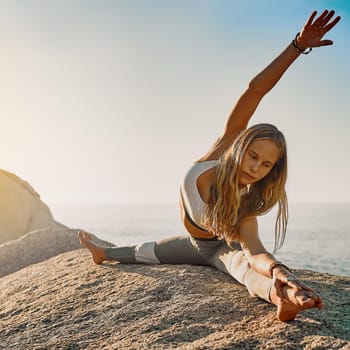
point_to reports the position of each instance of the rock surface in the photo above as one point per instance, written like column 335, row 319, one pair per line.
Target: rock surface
column 39, row 245
column 28, row 231
column 68, row 302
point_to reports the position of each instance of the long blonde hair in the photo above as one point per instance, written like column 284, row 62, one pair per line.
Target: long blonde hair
column 226, row 207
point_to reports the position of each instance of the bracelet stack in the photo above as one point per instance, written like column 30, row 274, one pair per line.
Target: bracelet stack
column 295, row 44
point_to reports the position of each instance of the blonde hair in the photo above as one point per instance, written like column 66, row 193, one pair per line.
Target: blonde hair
column 227, row 207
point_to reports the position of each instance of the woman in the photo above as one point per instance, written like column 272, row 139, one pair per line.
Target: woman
column 242, row 176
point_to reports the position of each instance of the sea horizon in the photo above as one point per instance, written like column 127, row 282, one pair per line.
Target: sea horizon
column 316, row 235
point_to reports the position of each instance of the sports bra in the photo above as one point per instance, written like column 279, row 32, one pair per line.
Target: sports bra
column 193, row 203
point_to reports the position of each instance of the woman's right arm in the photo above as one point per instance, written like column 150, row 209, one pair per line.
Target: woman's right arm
column 258, row 87
column 310, row 36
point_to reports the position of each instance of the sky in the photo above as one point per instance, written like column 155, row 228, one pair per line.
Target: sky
column 111, row 101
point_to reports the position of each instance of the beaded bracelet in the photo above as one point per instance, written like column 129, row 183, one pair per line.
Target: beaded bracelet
column 275, row 264
column 294, row 42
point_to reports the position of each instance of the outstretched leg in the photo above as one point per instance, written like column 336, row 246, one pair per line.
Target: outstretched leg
column 100, row 254
column 176, row 250
column 232, row 261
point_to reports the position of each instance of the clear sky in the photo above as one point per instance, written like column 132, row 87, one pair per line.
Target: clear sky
column 112, row 100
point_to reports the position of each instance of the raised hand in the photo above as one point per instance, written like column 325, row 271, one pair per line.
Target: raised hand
column 314, row 30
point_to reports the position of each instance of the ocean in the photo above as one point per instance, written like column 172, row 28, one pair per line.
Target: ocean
column 317, row 236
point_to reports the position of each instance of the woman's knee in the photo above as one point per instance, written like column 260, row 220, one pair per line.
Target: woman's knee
column 178, row 250
column 145, row 253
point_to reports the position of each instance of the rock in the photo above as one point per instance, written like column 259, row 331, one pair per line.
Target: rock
column 21, row 208
column 28, row 231
column 36, row 246
column 68, row 302
column 39, row 245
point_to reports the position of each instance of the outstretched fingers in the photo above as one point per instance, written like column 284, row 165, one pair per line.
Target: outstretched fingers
column 311, row 18
column 322, row 21
column 326, row 19
column 330, row 25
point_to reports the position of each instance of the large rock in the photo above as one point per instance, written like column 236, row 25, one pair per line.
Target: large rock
column 21, row 209
column 39, row 245
column 28, row 231
column 68, row 302
column 36, row 246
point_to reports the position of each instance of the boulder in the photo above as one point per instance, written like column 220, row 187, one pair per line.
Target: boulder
column 21, row 209
column 68, row 302
column 28, row 231
column 39, row 245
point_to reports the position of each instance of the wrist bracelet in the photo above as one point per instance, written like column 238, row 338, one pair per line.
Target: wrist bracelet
column 275, row 264
column 295, row 44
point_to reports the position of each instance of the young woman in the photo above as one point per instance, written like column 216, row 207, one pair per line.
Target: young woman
column 242, row 176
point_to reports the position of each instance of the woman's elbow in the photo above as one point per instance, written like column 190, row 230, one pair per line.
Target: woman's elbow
column 257, row 87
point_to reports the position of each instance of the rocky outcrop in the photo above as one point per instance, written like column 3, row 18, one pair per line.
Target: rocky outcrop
column 28, row 231
column 39, row 245
column 21, row 209
column 36, row 246
column 68, row 302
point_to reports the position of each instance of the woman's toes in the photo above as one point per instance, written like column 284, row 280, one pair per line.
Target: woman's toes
column 87, row 236
column 84, row 236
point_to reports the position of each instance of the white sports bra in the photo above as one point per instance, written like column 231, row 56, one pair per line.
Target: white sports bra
column 190, row 194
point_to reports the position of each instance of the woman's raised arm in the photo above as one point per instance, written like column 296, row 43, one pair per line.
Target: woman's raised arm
column 310, row 36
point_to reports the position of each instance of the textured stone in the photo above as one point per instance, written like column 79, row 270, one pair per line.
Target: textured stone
column 68, row 302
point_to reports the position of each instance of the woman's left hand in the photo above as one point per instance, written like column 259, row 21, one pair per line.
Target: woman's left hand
column 314, row 30
column 282, row 278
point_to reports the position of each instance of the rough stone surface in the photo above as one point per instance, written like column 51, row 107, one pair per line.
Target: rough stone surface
column 68, row 302
column 39, row 245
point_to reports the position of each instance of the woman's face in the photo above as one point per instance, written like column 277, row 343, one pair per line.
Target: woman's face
column 258, row 160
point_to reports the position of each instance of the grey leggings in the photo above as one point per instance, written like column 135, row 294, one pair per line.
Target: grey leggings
column 188, row 250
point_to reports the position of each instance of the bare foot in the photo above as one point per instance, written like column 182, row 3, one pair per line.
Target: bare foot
column 98, row 253
column 100, row 242
column 295, row 301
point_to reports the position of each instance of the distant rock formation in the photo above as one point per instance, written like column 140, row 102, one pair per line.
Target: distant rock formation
column 21, row 209
column 28, row 231
column 68, row 302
